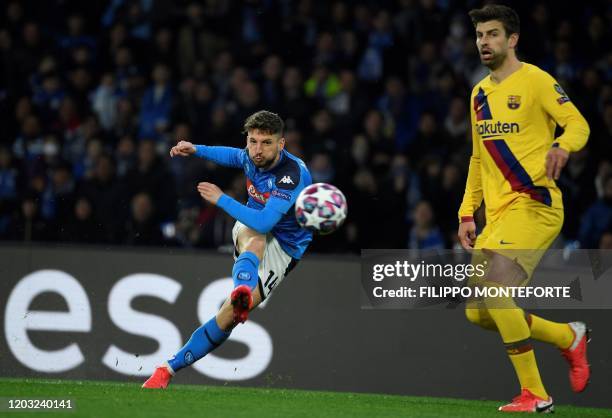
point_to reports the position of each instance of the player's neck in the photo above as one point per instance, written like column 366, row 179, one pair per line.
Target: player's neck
column 510, row 65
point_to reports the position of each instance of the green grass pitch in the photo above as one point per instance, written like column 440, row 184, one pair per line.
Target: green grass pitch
column 116, row 400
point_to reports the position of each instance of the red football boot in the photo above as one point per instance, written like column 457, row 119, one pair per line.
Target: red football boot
column 528, row 402
column 576, row 356
column 242, row 301
column 159, row 379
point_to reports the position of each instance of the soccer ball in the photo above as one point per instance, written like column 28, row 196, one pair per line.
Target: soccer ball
column 321, row 208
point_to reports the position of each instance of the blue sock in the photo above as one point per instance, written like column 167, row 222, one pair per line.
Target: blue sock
column 245, row 270
column 203, row 340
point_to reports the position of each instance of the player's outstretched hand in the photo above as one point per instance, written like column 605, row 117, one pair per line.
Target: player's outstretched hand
column 467, row 234
column 209, row 192
column 555, row 161
column 182, row 149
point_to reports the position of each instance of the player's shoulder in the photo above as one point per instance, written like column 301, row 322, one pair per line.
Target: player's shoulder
column 536, row 74
column 290, row 171
column 249, row 167
column 480, row 86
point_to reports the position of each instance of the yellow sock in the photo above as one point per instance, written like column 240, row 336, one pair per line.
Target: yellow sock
column 515, row 333
column 550, row 332
column 523, row 359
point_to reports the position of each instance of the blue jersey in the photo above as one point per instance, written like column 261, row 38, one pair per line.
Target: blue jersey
column 277, row 188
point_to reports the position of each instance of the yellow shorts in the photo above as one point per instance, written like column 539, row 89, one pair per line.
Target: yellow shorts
column 523, row 232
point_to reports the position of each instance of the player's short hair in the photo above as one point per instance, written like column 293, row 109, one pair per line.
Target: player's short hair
column 506, row 15
column 264, row 121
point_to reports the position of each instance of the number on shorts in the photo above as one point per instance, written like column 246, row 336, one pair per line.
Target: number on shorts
column 269, row 284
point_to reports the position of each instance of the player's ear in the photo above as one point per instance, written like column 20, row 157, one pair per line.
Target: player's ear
column 281, row 143
column 513, row 40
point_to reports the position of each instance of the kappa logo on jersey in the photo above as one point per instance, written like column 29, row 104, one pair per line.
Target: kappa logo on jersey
column 514, row 102
column 256, row 194
column 563, row 98
column 481, row 106
column 286, row 180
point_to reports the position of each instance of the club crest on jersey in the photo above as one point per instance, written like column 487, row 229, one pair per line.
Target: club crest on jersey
column 286, row 180
column 514, row 102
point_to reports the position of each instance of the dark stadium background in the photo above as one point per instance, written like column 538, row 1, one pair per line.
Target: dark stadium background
column 374, row 93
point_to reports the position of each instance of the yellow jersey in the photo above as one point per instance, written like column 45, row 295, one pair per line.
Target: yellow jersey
column 513, row 127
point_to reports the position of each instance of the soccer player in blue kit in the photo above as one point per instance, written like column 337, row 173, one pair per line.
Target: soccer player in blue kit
column 267, row 238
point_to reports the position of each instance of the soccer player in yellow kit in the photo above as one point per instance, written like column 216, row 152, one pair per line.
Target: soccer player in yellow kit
column 514, row 164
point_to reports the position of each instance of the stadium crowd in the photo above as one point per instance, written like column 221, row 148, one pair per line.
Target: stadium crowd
column 375, row 96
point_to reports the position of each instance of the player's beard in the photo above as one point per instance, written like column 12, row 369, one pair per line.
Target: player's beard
column 496, row 60
column 264, row 163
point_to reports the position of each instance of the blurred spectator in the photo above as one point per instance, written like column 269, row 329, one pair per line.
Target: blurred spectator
column 295, row 104
column 430, row 139
column 371, row 68
column 247, row 103
column 322, row 85
column 104, row 101
column 323, row 137
column 125, row 155
column 11, row 182
column 578, row 187
column 28, row 225
column 597, row 218
column 62, row 189
column 163, row 49
column 214, row 226
column 141, row 227
column 424, row 234
column 402, row 110
column 10, row 177
column 293, row 143
column 82, row 227
column 151, row 176
column 107, row 196
column 271, row 86
column 156, row 104
column 456, row 122
column 349, row 105
column 321, row 168
column 29, row 144
column 447, row 200
column 349, row 50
